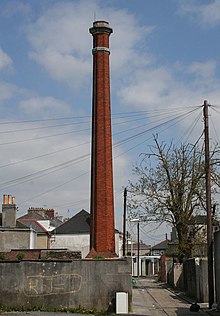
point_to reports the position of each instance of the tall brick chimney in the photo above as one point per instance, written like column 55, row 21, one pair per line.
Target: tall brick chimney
column 102, row 231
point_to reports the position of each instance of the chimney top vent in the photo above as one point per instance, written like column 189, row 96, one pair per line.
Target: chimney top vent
column 8, row 199
column 100, row 27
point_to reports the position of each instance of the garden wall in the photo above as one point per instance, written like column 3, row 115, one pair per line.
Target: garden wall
column 89, row 284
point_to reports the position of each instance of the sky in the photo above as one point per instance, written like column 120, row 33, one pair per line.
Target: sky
column 164, row 63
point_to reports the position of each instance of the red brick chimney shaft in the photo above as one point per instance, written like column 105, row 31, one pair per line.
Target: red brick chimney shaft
column 102, row 234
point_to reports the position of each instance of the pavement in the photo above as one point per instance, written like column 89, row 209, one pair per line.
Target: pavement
column 150, row 298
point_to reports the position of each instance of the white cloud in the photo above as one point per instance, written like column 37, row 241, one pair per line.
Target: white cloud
column 40, row 191
column 61, row 42
column 149, row 87
column 128, row 43
column 203, row 70
column 64, row 67
column 7, row 91
column 43, row 107
column 5, row 60
column 177, row 85
column 205, row 14
column 200, row 69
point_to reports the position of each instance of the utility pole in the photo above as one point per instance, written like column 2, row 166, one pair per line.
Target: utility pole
column 208, row 207
column 138, row 250
column 124, row 221
column 127, row 234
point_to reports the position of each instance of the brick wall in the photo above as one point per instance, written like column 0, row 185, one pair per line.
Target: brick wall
column 35, row 254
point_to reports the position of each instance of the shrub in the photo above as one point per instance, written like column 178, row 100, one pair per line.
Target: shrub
column 20, row 256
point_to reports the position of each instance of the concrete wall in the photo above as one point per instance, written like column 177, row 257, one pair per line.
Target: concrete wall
column 202, row 279
column 175, row 275
column 190, row 281
column 217, row 266
column 178, row 275
column 196, row 278
column 90, row 284
column 191, row 277
column 17, row 239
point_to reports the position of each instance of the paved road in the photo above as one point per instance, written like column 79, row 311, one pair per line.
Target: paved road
column 153, row 299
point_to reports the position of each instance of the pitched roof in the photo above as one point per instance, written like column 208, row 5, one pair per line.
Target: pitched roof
column 33, row 224
column 30, row 220
column 142, row 246
column 161, row 245
column 33, row 216
column 55, row 222
column 201, row 220
column 78, row 224
column 20, row 225
column 198, row 219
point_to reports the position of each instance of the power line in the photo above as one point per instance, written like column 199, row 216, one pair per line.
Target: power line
column 44, row 155
column 64, row 133
column 190, row 129
column 43, row 172
column 37, row 175
column 73, row 161
column 125, row 114
column 54, row 188
column 152, row 128
column 43, row 137
column 43, row 127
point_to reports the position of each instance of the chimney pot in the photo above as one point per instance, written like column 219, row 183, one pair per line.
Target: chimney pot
column 5, row 199
column 9, row 199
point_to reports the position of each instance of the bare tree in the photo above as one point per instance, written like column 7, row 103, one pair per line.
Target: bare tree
column 170, row 188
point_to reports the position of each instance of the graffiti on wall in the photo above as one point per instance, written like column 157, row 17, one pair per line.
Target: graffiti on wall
column 37, row 285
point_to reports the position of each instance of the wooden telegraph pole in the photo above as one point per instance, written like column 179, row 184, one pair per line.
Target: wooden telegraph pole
column 208, row 207
column 138, row 248
column 124, row 221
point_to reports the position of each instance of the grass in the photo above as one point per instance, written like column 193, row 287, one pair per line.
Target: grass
column 78, row 310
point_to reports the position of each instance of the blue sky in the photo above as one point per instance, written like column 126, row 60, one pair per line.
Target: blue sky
column 164, row 63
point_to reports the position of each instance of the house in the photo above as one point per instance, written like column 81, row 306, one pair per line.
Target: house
column 198, row 226
column 13, row 234
column 74, row 234
column 43, row 221
column 132, row 249
column 197, row 236
column 160, row 248
column 148, row 258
